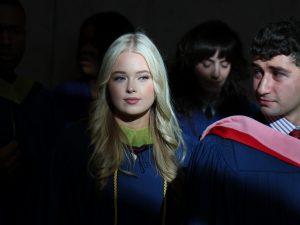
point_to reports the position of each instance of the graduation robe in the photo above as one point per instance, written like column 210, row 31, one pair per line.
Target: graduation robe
column 75, row 199
column 232, row 183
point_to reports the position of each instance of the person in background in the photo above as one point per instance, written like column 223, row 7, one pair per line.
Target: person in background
column 206, row 77
column 247, row 171
column 96, row 34
column 27, row 123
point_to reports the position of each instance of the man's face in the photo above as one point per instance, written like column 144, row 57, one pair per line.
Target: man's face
column 12, row 36
column 277, row 87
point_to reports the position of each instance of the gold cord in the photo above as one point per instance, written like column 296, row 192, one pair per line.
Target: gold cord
column 116, row 197
column 164, row 202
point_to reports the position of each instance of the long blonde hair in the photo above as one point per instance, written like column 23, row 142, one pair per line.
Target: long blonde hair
column 106, row 135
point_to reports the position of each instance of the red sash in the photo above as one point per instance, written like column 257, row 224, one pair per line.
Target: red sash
column 259, row 136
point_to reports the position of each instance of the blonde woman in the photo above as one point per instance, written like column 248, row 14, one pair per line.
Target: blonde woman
column 136, row 152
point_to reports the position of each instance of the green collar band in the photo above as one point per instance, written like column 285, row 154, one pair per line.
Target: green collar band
column 16, row 91
column 137, row 138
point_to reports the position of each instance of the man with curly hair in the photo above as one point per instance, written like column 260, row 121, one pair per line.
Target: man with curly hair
column 245, row 172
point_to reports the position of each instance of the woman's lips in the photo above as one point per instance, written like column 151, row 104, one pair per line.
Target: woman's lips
column 132, row 101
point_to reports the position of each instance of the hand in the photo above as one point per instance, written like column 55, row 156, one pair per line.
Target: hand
column 9, row 158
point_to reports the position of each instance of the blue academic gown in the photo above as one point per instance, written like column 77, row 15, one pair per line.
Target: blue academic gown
column 194, row 125
column 197, row 123
column 75, row 199
column 230, row 183
column 73, row 98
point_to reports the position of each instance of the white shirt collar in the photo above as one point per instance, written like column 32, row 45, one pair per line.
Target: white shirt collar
column 280, row 124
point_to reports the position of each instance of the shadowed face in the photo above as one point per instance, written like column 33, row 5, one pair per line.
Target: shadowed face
column 89, row 53
column 212, row 73
column 12, row 36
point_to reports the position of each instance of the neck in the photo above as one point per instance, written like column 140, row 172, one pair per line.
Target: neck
column 8, row 75
column 134, row 123
column 207, row 98
column 94, row 88
column 295, row 120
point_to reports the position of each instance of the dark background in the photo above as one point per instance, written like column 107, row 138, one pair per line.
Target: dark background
column 53, row 26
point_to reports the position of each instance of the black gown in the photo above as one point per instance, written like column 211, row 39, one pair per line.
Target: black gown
column 31, row 123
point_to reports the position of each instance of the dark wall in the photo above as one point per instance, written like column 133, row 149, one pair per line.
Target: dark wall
column 52, row 26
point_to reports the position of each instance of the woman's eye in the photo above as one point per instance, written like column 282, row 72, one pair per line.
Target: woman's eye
column 206, row 63
column 118, row 78
column 225, row 64
column 144, row 77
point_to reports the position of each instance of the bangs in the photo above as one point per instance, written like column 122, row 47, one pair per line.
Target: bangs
column 208, row 50
column 226, row 51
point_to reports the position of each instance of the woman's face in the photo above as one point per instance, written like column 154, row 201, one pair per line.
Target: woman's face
column 212, row 73
column 131, row 88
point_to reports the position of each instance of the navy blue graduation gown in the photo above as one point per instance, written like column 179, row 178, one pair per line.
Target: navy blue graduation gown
column 231, row 184
column 75, row 199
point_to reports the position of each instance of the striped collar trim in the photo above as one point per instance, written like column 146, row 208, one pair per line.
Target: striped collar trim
column 280, row 124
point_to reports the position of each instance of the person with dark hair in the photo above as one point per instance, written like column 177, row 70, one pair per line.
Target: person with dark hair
column 96, row 34
column 26, row 122
column 247, row 171
column 206, row 77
